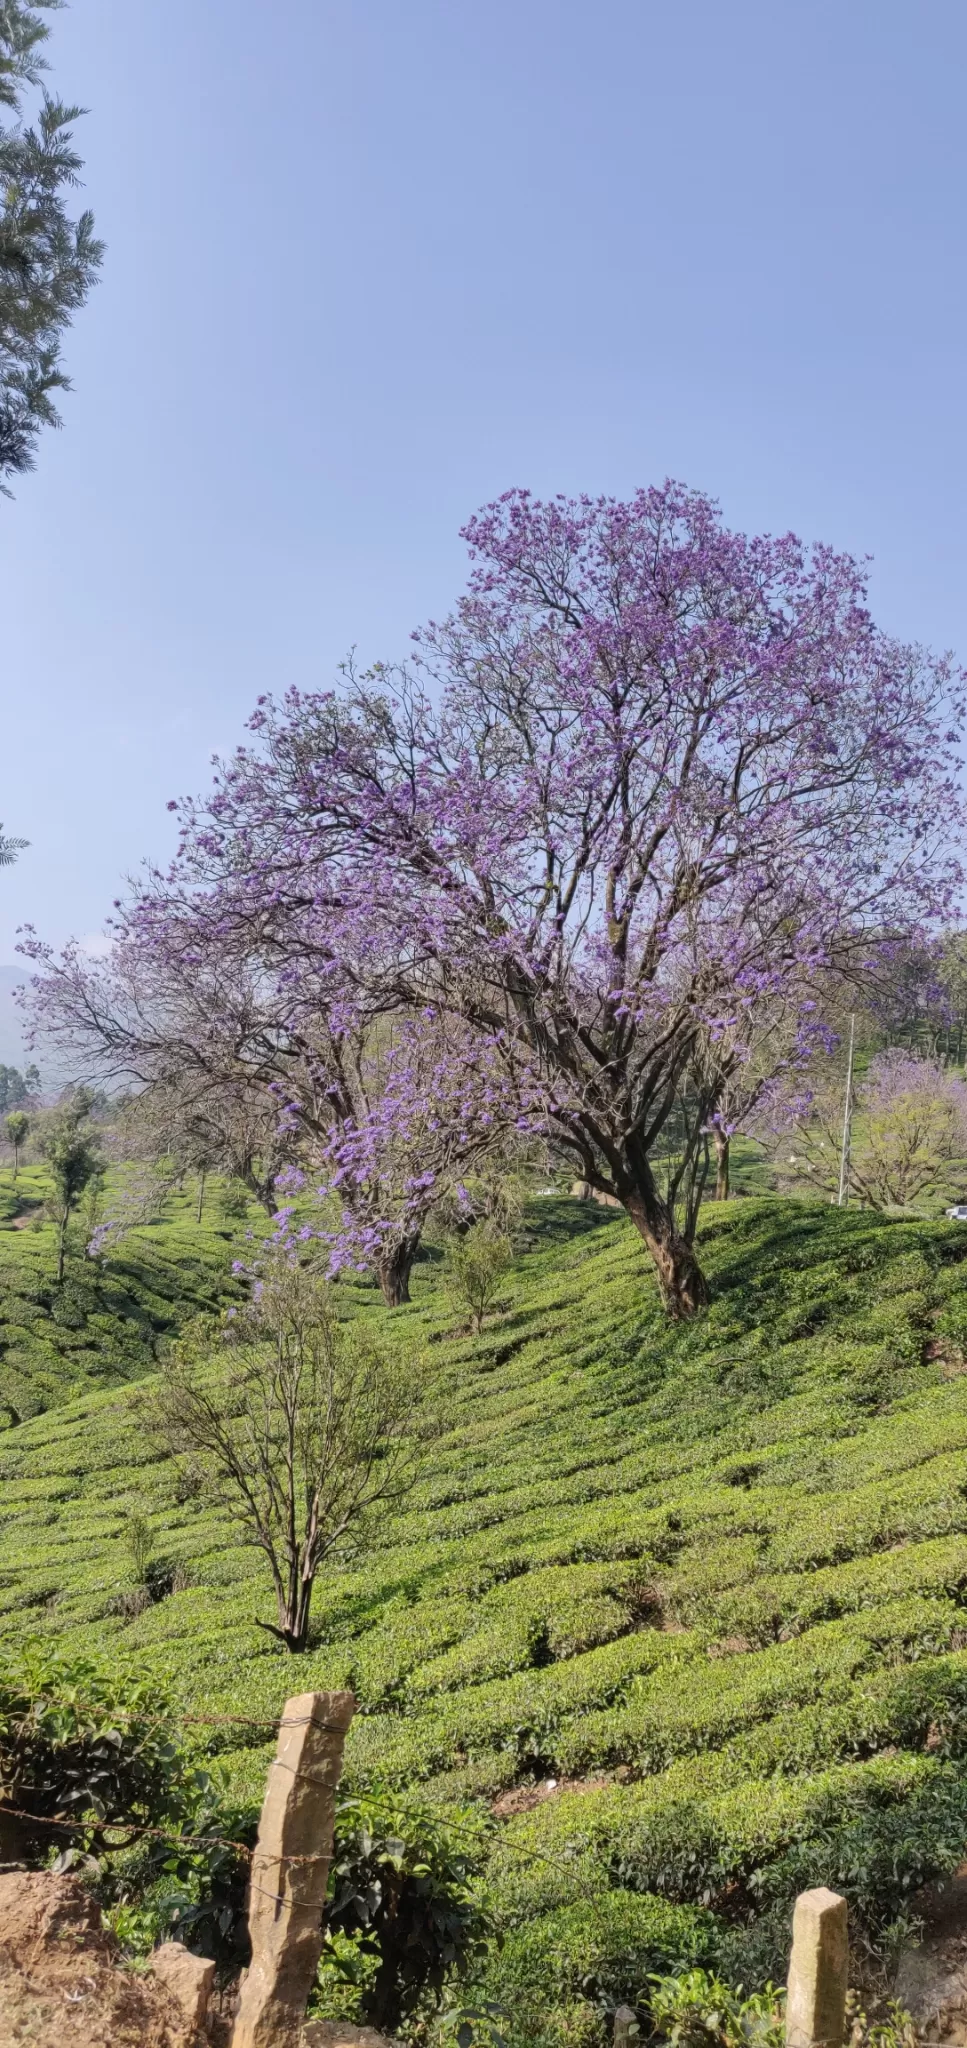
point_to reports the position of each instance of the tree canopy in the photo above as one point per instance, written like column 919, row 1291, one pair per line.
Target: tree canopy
column 17, row 1089
column 613, row 828
column 48, row 257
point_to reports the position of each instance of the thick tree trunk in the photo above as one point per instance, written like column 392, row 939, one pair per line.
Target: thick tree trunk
column 722, row 1144
column 259, row 1185
column 295, row 1624
column 293, row 1602
column 680, row 1277
column 394, row 1272
column 61, row 1244
column 201, row 1194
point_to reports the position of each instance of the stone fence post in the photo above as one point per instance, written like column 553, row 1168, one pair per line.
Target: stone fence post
column 290, row 1870
column 818, row 1971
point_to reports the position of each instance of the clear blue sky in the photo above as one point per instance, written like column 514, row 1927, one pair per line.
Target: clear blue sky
column 371, row 262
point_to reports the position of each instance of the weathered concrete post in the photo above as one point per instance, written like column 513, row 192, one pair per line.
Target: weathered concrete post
column 626, row 2028
column 818, row 1971
column 290, row 1867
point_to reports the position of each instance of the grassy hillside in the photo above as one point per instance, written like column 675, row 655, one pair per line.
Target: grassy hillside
column 711, row 1580
column 103, row 1326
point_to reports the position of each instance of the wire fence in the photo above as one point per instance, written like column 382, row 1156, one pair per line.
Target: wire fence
column 132, row 1831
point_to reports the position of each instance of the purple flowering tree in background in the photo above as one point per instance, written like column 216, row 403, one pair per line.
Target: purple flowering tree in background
column 649, row 780
column 185, row 1032
column 759, row 1055
column 909, row 1133
column 433, row 1106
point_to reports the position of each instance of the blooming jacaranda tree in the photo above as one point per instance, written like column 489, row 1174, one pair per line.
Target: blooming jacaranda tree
column 649, row 774
column 349, row 1127
column 908, row 1141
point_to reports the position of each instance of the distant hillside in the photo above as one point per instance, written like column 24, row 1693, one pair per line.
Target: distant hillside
column 12, row 1052
column 105, row 1325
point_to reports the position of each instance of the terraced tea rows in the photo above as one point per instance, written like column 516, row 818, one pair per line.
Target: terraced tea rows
column 103, row 1327
column 710, row 1580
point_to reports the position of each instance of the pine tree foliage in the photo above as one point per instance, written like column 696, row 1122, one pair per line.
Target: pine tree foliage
column 48, row 260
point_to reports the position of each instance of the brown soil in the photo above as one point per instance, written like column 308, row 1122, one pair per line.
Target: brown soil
column 943, row 1352
column 60, row 1978
column 932, row 1978
column 524, row 1798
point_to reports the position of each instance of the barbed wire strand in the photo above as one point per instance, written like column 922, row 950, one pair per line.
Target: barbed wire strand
column 135, row 1832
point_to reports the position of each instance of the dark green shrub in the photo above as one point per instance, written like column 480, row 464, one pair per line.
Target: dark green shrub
column 402, row 1916
column 600, row 1953
column 877, row 1854
column 402, row 1884
column 95, row 1751
column 189, row 1886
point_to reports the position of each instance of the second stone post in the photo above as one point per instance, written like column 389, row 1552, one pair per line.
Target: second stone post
column 290, row 1870
column 818, row 1971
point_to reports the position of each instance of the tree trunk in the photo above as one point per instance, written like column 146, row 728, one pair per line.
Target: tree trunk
column 16, row 1159
column 680, row 1277
column 61, row 1243
column 394, row 1272
column 201, row 1194
column 722, row 1144
column 295, row 1634
column 294, row 1613
column 262, row 1188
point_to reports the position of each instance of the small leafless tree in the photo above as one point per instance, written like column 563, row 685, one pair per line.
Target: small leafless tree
column 302, row 1427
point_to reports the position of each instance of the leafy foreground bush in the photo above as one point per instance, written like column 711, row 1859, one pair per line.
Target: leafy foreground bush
column 94, row 1773
column 404, row 1916
column 95, row 1765
column 83, row 1755
column 560, row 1978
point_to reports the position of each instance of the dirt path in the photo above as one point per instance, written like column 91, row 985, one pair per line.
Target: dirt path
column 60, row 1978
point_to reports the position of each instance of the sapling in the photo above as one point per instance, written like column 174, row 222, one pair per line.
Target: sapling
column 475, row 1266
column 302, row 1428
column 17, row 1127
column 71, row 1147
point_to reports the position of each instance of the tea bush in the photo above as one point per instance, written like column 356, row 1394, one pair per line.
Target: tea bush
column 680, row 1613
column 103, row 1327
column 93, row 1752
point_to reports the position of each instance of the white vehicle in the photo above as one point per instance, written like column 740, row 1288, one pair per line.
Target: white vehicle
column 958, row 1214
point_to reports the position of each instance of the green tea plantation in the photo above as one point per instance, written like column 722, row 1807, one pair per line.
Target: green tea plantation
column 674, row 1623
column 104, row 1325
